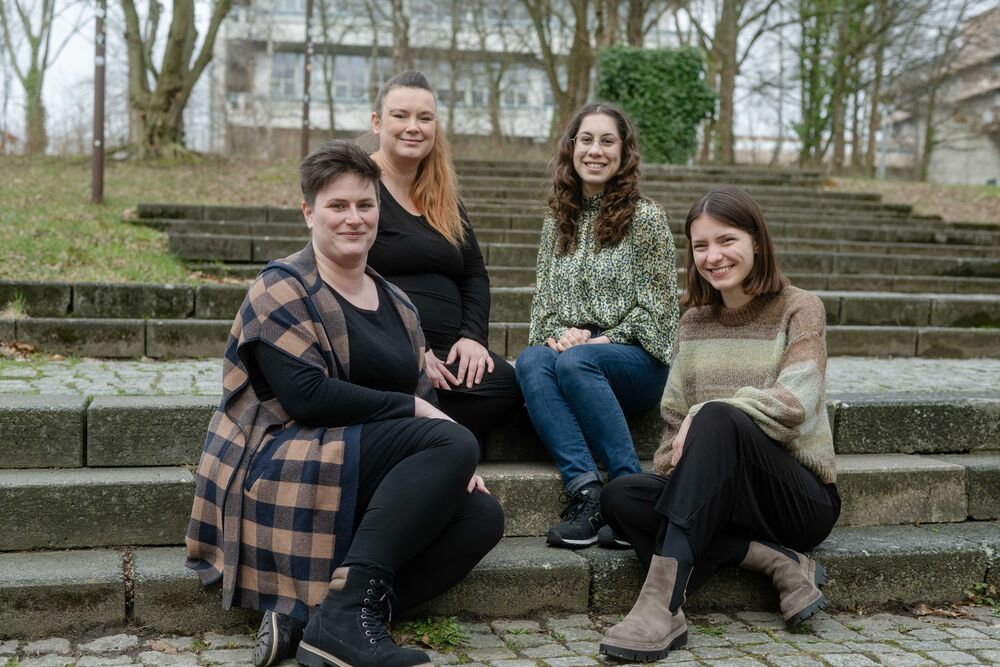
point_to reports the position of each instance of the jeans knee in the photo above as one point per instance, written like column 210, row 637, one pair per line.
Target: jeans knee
column 531, row 362
column 576, row 364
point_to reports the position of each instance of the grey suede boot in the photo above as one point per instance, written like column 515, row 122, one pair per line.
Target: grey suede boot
column 796, row 577
column 650, row 631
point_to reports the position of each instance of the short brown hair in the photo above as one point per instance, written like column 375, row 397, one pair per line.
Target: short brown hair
column 331, row 161
column 734, row 207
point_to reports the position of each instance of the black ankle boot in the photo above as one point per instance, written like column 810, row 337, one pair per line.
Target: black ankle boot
column 277, row 637
column 348, row 629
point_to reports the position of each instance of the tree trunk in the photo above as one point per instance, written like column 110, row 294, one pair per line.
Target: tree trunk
column 856, row 131
column 36, row 139
column 724, row 46
column 874, row 113
column 634, row 24
column 928, row 144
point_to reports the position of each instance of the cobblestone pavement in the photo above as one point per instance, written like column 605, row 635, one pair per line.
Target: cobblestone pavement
column 203, row 377
column 743, row 640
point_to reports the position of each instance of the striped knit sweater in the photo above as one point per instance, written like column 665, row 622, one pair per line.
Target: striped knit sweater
column 767, row 359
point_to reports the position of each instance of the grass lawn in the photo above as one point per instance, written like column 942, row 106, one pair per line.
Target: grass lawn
column 954, row 203
column 51, row 231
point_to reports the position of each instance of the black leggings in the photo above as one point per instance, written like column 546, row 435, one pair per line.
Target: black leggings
column 414, row 520
column 734, row 484
column 488, row 404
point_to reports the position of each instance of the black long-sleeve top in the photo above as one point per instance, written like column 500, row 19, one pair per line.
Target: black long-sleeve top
column 384, row 372
column 448, row 285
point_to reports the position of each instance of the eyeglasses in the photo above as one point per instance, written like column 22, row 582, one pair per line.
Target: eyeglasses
column 587, row 140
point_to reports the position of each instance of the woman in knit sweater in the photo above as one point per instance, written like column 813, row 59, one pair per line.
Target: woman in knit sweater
column 745, row 472
column 603, row 315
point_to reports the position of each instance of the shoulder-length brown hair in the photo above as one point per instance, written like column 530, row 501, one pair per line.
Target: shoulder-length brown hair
column 621, row 193
column 736, row 208
column 435, row 190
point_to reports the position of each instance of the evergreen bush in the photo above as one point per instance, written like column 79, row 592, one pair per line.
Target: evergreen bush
column 665, row 93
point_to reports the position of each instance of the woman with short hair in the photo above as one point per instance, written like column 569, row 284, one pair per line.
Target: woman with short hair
column 331, row 489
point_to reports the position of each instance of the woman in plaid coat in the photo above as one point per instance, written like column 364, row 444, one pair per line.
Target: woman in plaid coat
column 330, row 484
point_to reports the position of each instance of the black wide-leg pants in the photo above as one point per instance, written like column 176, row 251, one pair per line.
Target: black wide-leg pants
column 414, row 520
column 734, row 484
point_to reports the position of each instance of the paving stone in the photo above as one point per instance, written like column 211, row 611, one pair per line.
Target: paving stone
column 742, row 637
column 770, row 649
column 51, row 645
column 112, row 644
column 514, row 663
column 223, row 656
column 477, row 628
column 741, row 661
column 584, row 648
column 179, row 643
column 929, row 633
column 953, row 658
column 527, row 640
column 216, row 640
column 490, row 653
column 570, row 621
column 903, row 660
column 46, row 661
column 966, row 633
column 102, row 660
column 848, row 660
column 484, row 641
column 546, row 651
column 822, row 647
column 699, row 639
column 976, row 644
column 574, row 634
column 572, row 661
column 794, row 661
column 158, row 659
column 8, row 648
column 989, row 656
column 924, row 645
column 762, row 619
column 714, row 652
column 435, row 657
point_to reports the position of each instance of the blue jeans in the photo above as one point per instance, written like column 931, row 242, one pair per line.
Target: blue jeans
column 577, row 401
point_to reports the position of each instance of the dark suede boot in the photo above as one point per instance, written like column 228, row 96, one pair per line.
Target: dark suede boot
column 797, row 578
column 348, row 629
column 277, row 638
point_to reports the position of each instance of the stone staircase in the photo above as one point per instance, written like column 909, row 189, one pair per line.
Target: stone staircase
column 96, row 487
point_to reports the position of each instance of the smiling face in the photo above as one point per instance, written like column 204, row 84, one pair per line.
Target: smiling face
column 406, row 125
column 344, row 220
column 724, row 256
column 597, row 162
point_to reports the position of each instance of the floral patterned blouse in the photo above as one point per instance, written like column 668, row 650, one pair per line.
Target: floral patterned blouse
column 629, row 291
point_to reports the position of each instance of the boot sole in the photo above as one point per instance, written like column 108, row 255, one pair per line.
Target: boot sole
column 314, row 657
column 563, row 543
column 267, row 633
column 644, row 655
column 820, row 575
column 807, row 613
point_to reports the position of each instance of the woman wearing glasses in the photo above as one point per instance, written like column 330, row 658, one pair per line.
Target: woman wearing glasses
column 603, row 316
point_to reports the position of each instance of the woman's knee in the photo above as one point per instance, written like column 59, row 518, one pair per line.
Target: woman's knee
column 460, row 444
column 579, row 365
column 532, row 362
column 489, row 518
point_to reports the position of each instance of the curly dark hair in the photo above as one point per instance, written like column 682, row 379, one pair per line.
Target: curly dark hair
column 621, row 193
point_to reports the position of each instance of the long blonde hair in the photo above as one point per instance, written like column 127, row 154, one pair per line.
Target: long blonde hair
column 435, row 190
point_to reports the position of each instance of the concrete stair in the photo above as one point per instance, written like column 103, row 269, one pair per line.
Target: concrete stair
column 920, row 477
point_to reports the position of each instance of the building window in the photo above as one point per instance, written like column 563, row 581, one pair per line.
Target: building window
column 286, row 76
column 290, row 7
column 350, row 79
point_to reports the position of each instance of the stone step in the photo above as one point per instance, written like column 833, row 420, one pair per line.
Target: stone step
column 206, row 338
column 824, row 257
column 782, row 232
column 100, row 507
column 52, row 593
column 62, row 431
column 131, row 301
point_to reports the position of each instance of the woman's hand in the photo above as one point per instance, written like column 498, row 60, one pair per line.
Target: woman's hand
column 438, row 373
column 473, row 361
column 571, row 338
column 678, row 444
column 477, row 484
column 422, row 408
column 599, row 340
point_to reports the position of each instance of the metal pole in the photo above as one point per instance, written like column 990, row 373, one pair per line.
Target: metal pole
column 305, row 79
column 97, row 150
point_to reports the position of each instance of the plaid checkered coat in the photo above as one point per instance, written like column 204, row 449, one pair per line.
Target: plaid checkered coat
column 274, row 502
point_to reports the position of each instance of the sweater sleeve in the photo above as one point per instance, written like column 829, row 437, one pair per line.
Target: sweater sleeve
column 673, row 408
column 652, row 321
column 544, row 319
column 793, row 403
column 312, row 398
column 475, row 290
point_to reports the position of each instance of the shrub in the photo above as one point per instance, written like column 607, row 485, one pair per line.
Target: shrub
column 665, row 93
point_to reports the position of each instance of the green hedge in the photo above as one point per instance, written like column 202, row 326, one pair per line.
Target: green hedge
column 665, row 93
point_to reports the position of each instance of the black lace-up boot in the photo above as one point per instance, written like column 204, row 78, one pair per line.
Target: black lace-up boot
column 349, row 628
column 581, row 520
column 277, row 637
